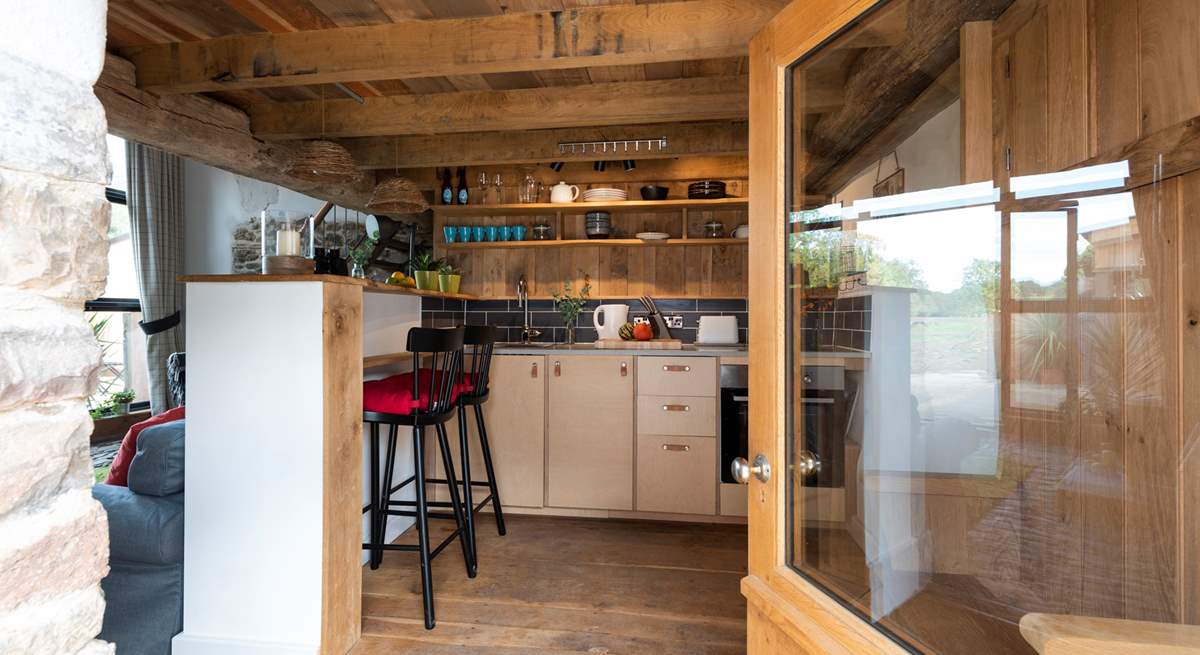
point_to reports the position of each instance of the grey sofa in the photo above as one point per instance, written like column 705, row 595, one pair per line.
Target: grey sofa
column 144, row 587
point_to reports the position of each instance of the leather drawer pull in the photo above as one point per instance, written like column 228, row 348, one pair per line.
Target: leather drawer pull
column 533, row 371
column 677, row 447
column 676, row 368
column 624, row 369
column 557, row 369
column 676, row 408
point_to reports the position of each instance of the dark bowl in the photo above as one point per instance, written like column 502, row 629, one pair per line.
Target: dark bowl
column 654, row 192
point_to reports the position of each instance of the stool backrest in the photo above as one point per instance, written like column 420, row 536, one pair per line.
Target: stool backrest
column 443, row 348
column 483, row 339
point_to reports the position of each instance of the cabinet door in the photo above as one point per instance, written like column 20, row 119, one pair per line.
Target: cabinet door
column 677, row 474
column 590, row 432
column 515, row 416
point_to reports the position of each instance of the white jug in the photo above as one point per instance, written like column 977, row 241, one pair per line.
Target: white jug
column 614, row 317
column 562, row 192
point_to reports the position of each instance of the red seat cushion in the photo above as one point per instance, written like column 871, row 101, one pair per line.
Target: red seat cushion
column 118, row 473
column 394, row 395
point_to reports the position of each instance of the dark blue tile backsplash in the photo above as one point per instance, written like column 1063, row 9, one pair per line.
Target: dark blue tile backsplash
column 829, row 324
column 506, row 315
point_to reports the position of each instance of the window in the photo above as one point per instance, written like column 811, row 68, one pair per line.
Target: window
column 114, row 316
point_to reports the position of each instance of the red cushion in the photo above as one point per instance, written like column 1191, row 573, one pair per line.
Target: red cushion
column 118, row 474
column 394, row 395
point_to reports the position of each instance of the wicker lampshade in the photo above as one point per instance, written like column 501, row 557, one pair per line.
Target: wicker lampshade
column 397, row 196
column 323, row 161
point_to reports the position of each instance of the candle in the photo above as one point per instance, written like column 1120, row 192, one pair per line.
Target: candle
column 287, row 242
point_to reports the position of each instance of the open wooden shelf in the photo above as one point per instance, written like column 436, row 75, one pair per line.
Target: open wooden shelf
column 369, row 286
column 632, row 206
column 587, row 243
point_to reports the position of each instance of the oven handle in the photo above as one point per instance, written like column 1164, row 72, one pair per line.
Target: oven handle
column 741, row 399
column 816, row 401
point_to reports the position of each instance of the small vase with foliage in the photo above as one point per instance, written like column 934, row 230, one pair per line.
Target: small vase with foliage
column 361, row 254
column 425, row 270
column 569, row 307
column 449, row 279
column 121, row 401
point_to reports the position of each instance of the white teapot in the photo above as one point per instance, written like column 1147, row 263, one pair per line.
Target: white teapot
column 563, row 192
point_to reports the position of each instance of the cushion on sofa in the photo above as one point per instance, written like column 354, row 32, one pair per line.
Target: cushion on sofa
column 147, row 529
column 119, row 471
column 157, row 468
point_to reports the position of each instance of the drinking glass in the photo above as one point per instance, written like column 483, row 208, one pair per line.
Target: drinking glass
column 483, row 187
column 505, row 233
column 499, row 185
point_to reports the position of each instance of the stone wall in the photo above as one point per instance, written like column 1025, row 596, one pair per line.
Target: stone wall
column 53, row 248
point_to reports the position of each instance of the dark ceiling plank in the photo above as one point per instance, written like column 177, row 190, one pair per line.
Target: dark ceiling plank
column 711, row 98
column 606, row 36
column 541, row 146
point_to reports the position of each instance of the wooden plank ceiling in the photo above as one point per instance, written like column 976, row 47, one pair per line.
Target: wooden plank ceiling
column 287, row 109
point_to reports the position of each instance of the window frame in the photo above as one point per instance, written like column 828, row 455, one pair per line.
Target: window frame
column 118, row 305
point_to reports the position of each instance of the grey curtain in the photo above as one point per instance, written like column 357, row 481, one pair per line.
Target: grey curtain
column 156, row 217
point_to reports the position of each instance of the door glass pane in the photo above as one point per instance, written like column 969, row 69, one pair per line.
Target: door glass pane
column 984, row 322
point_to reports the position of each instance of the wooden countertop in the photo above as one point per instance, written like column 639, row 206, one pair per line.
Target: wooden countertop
column 369, row 286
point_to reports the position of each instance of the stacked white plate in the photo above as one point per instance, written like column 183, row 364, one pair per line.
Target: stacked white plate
column 605, row 194
column 652, row 236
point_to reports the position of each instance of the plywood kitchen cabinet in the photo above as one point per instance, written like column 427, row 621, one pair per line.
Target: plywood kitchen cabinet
column 676, row 474
column 515, row 416
column 589, row 437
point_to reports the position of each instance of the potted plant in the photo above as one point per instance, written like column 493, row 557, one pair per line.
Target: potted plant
column 361, row 254
column 425, row 269
column 121, row 401
column 569, row 306
column 449, row 279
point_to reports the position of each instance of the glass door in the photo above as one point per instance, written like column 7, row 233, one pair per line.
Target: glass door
column 986, row 277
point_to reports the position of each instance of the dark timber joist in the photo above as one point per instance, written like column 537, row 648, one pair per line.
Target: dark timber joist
column 588, row 105
column 541, row 146
column 207, row 131
column 599, row 36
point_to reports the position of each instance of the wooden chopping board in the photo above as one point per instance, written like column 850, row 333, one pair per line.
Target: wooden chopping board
column 653, row 344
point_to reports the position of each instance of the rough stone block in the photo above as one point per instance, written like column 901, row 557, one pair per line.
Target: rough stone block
column 65, row 624
column 53, row 236
column 65, row 36
column 47, row 349
column 61, row 548
column 72, row 145
column 45, row 453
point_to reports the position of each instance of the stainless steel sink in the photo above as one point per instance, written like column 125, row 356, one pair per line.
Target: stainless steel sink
column 518, row 344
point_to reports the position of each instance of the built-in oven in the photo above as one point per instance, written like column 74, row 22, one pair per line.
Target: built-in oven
column 825, row 418
column 735, row 417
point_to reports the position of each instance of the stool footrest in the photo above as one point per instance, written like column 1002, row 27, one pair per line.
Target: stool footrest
column 412, row 548
column 413, row 514
column 474, row 483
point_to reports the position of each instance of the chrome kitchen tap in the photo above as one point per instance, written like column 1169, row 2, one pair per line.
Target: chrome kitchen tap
column 528, row 334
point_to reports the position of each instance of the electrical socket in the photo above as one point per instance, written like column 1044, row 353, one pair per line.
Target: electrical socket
column 640, row 319
column 674, row 321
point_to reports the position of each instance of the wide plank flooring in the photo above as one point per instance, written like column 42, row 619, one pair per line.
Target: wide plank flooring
column 566, row 585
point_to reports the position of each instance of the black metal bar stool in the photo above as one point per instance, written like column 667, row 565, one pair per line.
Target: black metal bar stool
column 425, row 397
column 481, row 339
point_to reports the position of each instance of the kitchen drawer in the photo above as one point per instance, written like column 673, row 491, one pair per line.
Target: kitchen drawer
column 676, row 474
column 677, row 376
column 692, row 415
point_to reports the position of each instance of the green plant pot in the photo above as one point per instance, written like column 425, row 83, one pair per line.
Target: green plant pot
column 426, row 280
column 449, row 283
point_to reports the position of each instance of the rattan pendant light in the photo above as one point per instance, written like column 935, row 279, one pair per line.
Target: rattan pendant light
column 397, row 195
column 321, row 160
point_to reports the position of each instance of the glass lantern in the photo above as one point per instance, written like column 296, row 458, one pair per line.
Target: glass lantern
column 285, row 234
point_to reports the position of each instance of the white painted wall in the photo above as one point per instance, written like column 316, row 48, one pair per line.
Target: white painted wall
column 217, row 201
column 930, row 159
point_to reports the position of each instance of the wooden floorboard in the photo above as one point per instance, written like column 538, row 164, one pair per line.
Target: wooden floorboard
column 566, row 585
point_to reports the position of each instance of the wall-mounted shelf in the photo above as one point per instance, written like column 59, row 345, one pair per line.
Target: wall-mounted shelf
column 630, row 206
column 592, row 243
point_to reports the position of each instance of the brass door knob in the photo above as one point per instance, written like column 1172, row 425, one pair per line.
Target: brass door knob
column 742, row 470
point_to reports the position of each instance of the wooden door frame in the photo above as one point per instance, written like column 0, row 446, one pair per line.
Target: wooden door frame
column 784, row 612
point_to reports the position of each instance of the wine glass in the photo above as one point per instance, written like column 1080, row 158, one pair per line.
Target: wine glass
column 499, row 185
column 483, row 187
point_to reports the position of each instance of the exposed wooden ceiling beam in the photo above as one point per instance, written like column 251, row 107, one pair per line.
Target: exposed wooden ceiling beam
column 541, row 146
column 207, row 131
column 593, row 36
column 617, row 103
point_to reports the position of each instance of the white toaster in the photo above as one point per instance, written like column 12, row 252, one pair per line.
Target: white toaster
column 717, row 330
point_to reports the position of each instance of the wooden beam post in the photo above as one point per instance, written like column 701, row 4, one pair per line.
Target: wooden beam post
column 975, row 91
column 207, row 131
column 615, row 103
column 575, row 38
